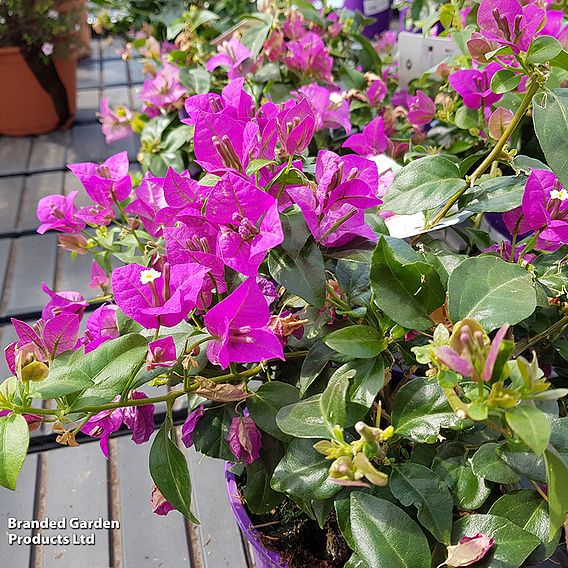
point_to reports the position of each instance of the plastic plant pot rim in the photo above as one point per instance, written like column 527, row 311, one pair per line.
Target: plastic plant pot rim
column 264, row 558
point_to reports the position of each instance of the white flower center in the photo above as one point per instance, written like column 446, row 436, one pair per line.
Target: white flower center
column 561, row 194
column 147, row 276
column 335, row 98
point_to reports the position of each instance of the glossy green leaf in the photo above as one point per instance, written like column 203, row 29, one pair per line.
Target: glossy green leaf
column 109, row 367
column 333, row 400
column 487, row 463
column 303, row 473
column 268, row 399
column 407, row 289
column 423, row 184
column 420, row 409
column 297, row 264
column 210, row 435
column 259, row 495
column 543, row 49
column 384, row 535
column 550, row 118
column 14, row 441
column 531, row 425
column 303, row 419
column 557, row 473
column 317, row 358
column 469, row 490
column 169, row 470
column 504, row 81
column 529, row 511
column 358, row 341
column 492, row 291
column 498, row 195
column 414, row 484
column 512, row 544
column 61, row 379
column 368, row 380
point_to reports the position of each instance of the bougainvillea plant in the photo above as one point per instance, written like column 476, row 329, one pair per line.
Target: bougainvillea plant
column 385, row 356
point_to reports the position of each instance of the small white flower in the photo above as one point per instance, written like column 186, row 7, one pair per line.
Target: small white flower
column 53, row 14
column 336, row 98
column 147, row 276
column 47, row 48
column 561, row 194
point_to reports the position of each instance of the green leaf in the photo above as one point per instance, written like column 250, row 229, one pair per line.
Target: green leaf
column 466, row 118
column 303, row 473
column 177, row 138
column 333, row 401
column 359, row 341
column 126, row 325
column 297, row 264
column 423, row 184
column 268, row 399
column 370, row 52
column 353, row 277
column 414, row 484
column 523, row 461
column 405, row 288
column 504, row 81
column 258, row 494
column 382, row 533
column 255, row 165
column 303, row 419
column 368, row 380
column 498, row 195
column 255, row 37
column 486, row 463
column 61, row 380
column 561, row 60
column 317, row 358
column 512, row 544
column 529, row 511
column 550, row 119
column 543, row 49
column 420, row 409
column 492, row 291
column 109, row 367
column 14, row 441
column 531, row 425
column 197, row 80
column 210, row 436
column 469, row 490
column 557, row 473
column 168, row 468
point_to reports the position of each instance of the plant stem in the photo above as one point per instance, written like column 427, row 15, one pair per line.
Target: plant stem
column 529, row 342
column 492, row 156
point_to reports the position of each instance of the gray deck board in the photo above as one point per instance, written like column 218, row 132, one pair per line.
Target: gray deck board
column 148, row 540
column 18, row 504
column 11, row 190
column 14, row 154
column 87, row 105
column 49, row 151
column 114, row 73
column 35, row 187
column 32, row 261
column 81, row 492
column 220, row 537
column 88, row 74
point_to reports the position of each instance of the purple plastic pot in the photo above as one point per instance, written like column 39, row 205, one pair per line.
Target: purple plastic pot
column 263, row 557
column 380, row 10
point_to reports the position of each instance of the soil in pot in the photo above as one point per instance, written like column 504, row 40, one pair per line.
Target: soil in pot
column 299, row 540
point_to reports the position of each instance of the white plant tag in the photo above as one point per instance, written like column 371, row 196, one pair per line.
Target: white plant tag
column 418, row 54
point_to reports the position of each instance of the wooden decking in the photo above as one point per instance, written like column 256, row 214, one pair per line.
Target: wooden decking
column 79, row 482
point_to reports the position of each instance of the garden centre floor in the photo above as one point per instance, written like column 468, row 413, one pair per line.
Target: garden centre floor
column 79, row 482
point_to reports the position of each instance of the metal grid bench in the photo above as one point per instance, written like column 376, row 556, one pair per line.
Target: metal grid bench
column 79, row 482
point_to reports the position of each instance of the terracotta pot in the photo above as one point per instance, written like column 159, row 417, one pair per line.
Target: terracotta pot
column 26, row 106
